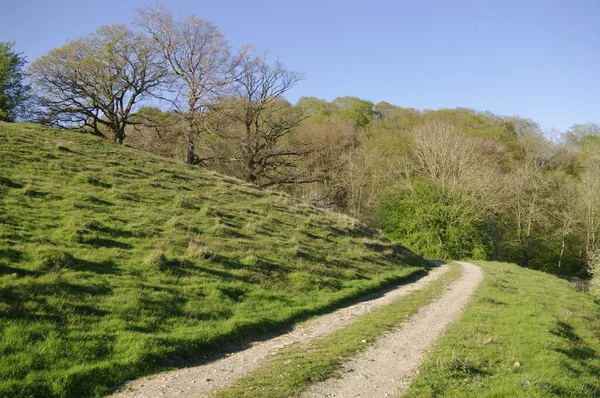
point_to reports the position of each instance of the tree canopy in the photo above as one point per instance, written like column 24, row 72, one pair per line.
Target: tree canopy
column 97, row 80
column 13, row 89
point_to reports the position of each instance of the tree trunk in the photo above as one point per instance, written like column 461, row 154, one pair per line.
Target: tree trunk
column 119, row 133
column 251, row 170
column 562, row 252
column 191, row 144
column 250, row 152
column 190, row 147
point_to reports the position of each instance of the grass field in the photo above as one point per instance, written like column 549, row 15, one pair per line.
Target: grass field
column 523, row 334
column 115, row 263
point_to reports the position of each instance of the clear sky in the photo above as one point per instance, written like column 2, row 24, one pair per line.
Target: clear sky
column 533, row 58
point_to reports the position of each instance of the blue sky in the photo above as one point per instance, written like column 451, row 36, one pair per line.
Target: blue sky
column 537, row 59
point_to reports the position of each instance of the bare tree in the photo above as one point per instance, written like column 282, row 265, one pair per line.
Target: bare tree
column 524, row 192
column 563, row 213
column 97, row 80
column 456, row 162
column 197, row 54
column 366, row 177
column 330, row 142
column 589, row 199
column 266, row 120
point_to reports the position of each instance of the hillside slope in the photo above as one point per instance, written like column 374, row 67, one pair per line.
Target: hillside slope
column 525, row 333
column 115, row 263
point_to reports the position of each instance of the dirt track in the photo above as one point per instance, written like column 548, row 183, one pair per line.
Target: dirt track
column 385, row 369
column 200, row 380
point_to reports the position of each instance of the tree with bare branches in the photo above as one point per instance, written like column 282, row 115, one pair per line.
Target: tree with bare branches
column 198, row 57
column 589, row 202
column 266, row 121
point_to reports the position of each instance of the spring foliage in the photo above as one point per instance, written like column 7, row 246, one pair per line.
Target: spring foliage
column 13, row 89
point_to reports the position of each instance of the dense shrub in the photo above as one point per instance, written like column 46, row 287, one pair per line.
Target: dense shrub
column 594, row 269
column 435, row 223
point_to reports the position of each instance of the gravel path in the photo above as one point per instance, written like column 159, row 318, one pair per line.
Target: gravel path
column 200, row 380
column 385, row 368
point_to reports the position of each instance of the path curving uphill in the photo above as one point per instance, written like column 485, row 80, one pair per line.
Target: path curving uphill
column 386, row 368
column 201, row 380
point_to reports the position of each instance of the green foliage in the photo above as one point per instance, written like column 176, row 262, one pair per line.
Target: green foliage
column 382, row 109
column 355, row 109
column 97, row 80
column 317, row 109
column 13, row 90
column 155, row 263
column 578, row 134
column 594, row 271
column 523, row 334
column 435, row 223
column 477, row 124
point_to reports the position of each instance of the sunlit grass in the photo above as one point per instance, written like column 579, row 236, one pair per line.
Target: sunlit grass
column 524, row 334
column 295, row 367
column 115, row 263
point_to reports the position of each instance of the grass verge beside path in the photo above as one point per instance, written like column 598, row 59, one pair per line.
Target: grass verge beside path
column 523, row 334
column 295, row 367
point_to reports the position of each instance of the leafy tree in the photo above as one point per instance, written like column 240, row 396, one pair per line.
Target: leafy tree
column 352, row 108
column 319, row 110
column 477, row 124
column 579, row 132
column 13, row 90
column 435, row 222
column 97, row 80
column 382, row 109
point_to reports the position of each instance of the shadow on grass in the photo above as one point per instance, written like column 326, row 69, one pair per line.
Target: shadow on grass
column 113, row 232
column 100, row 267
column 10, row 254
column 24, row 302
column 222, row 274
column 7, row 182
column 309, row 257
column 575, row 348
column 98, row 183
column 8, row 270
column 107, row 243
column 98, row 201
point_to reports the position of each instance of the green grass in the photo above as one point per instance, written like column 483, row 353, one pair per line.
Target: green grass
column 295, row 367
column 524, row 316
column 115, row 263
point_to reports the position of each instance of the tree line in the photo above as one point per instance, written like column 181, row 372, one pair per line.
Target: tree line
column 450, row 183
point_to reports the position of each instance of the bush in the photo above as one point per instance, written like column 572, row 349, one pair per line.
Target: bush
column 52, row 259
column 435, row 223
column 594, row 270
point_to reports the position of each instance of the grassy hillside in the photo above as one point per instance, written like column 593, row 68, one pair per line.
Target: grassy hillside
column 115, row 263
column 523, row 334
